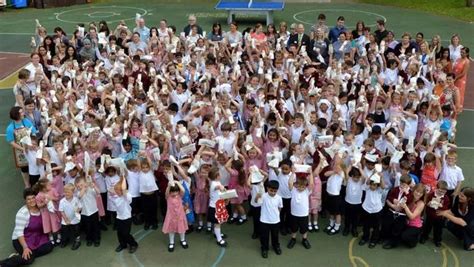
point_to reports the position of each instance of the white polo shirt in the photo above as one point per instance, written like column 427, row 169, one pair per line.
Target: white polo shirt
column 373, row 200
column 452, row 175
column 299, row 202
column 271, row 206
column 122, row 203
column 69, row 207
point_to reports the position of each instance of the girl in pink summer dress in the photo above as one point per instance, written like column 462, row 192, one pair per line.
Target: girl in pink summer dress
column 315, row 200
column 201, row 196
column 58, row 180
column 47, row 200
column 175, row 220
column 238, row 181
column 395, row 106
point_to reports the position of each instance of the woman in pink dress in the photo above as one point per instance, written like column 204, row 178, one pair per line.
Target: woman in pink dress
column 48, row 201
column 175, row 219
column 460, row 69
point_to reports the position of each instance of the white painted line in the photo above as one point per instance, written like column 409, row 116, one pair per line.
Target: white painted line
column 14, row 53
column 16, row 33
column 3, row 135
column 336, row 10
column 466, row 147
column 138, row 10
column 468, row 109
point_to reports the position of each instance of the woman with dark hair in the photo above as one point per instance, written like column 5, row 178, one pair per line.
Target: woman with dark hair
column 461, row 69
column 34, row 115
column 216, row 33
column 359, row 29
column 103, row 27
column 71, row 54
column 16, row 130
column 445, row 60
column 61, row 35
column 272, row 36
column 461, row 217
column 48, row 43
column 28, row 238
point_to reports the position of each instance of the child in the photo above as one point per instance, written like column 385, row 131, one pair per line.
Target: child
column 430, row 171
column 111, row 179
column 353, row 200
column 34, row 168
column 175, row 220
column 315, row 200
column 334, row 198
column 272, row 203
column 70, row 209
column 214, row 188
column 238, row 181
column 372, row 210
column 149, row 195
column 436, row 201
column 257, row 189
column 47, row 200
column 87, row 192
column 283, row 176
column 133, row 181
column 452, row 174
column 300, row 192
column 201, row 196
column 122, row 201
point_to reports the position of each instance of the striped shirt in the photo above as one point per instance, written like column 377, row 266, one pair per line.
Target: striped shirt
column 22, row 219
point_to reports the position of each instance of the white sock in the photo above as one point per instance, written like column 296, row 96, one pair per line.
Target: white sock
column 235, row 215
column 182, row 236
column 244, row 217
column 209, row 224
column 336, row 226
column 201, row 223
column 217, row 232
column 332, row 222
column 171, row 236
column 315, row 222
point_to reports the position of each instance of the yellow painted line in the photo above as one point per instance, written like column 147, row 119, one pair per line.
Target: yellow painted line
column 455, row 257
column 9, row 81
column 445, row 258
column 353, row 259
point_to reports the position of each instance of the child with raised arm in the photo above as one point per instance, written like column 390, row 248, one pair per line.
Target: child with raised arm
column 372, row 210
column 122, row 201
column 272, row 203
column 87, row 192
column 175, row 220
column 300, row 192
column 70, row 208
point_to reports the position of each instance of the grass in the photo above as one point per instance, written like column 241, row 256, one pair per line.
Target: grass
column 452, row 8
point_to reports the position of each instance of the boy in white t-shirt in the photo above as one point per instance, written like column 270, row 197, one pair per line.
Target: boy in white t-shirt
column 272, row 203
column 70, row 208
column 300, row 192
column 282, row 175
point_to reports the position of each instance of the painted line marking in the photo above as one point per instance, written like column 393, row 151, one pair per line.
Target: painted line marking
column 219, row 258
column 455, row 257
column 58, row 15
column 336, row 10
column 16, row 33
column 465, row 147
column 135, row 258
column 353, row 259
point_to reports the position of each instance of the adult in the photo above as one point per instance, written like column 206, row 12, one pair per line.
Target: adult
column 34, row 115
column 319, row 46
column 233, row 36
column 300, row 38
column 20, row 89
column 87, row 52
column 192, row 22
column 461, row 217
column 381, row 31
column 460, row 69
column 16, row 130
column 28, row 238
column 143, row 30
column 36, row 73
column 215, row 35
column 136, row 44
column 320, row 25
column 455, row 48
column 405, row 46
column 335, row 32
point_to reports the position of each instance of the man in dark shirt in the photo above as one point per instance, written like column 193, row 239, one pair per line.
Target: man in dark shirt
column 191, row 23
column 381, row 32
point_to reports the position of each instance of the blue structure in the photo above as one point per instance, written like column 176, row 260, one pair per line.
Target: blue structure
column 234, row 7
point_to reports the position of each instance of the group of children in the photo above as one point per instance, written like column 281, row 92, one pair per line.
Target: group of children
column 206, row 131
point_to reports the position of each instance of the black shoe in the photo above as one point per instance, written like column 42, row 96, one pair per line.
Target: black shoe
column 423, row 240
column 241, row 221
column 120, row 248
column 372, row 244
column 89, row 243
column 133, row 249
column 223, row 235
column 283, row 231
column 333, row 231
column 328, row 228
column 306, row 244
column 277, row 250
column 437, row 244
column 345, row 232
column 199, row 228
column 184, row 244
column 254, row 236
column 292, row 243
column 232, row 220
column 222, row 243
column 76, row 245
column 355, row 233
column 264, row 254
column 146, row 227
column 154, row 226
column 63, row 244
column 208, row 230
column 170, row 247
column 388, row 245
column 362, row 242
column 97, row 244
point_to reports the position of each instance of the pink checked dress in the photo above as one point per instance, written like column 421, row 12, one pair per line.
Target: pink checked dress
column 175, row 220
column 51, row 222
column 243, row 191
column 201, row 196
column 315, row 197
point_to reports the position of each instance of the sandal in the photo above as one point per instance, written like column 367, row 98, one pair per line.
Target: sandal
column 170, row 247
column 222, row 243
column 333, row 231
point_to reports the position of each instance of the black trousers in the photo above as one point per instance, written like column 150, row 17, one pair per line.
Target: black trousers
column 123, row 233
column 436, row 225
column 392, row 225
column 150, row 208
column 70, row 232
column 91, row 226
column 18, row 259
column 411, row 235
column 266, row 230
column 466, row 233
column 351, row 215
column 137, row 206
column 285, row 214
column 256, row 218
column 33, row 179
column 371, row 222
column 107, row 215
